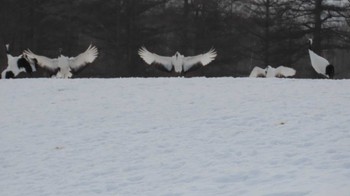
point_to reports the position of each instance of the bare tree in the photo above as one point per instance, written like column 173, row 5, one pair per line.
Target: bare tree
column 267, row 19
column 322, row 19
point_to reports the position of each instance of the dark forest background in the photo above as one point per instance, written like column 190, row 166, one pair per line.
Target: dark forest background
column 245, row 33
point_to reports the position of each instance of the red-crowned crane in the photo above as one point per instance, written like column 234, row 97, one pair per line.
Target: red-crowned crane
column 17, row 65
column 178, row 63
column 270, row 72
column 320, row 64
column 63, row 66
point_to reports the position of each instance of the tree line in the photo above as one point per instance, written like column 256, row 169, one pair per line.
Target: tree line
column 245, row 33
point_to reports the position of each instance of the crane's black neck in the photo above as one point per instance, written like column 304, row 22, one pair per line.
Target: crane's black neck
column 60, row 51
column 310, row 44
column 7, row 49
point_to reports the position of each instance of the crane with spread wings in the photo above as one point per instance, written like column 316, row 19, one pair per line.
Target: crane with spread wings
column 63, row 66
column 178, row 63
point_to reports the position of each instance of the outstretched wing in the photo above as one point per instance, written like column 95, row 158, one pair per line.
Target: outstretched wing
column 257, row 72
column 151, row 58
column 203, row 59
column 42, row 61
column 284, row 71
column 75, row 63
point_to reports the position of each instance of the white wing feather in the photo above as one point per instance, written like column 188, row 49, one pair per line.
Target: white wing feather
column 203, row 59
column 150, row 58
column 318, row 63
column 84, row 58
column 285, row 71
column 44, row 62
column 257, row 72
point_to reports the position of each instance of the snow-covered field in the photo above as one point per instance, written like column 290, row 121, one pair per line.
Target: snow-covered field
column 175, row 137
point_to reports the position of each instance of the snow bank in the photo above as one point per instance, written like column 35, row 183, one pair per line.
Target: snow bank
column 175, row 136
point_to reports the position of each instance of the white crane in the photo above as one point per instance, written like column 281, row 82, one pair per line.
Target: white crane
column 17, row 65
column 320, row 64
column 270, row 72
column 179, row 63
column 64, row 66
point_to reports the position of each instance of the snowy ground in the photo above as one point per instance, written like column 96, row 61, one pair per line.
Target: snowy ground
column 175, row 137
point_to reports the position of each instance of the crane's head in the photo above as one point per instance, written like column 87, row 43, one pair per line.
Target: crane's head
column 7, row 48
column 60, row 51
column 267, row 68
column 310, row 42
column 177, row 54
column 270, row 71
